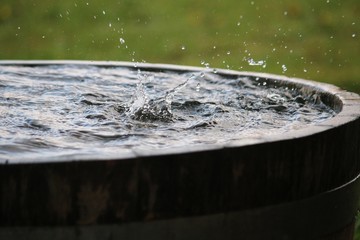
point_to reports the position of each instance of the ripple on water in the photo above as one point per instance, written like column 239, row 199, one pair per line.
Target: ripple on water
column 76, row 110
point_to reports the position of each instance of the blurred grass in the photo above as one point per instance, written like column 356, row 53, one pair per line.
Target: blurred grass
column 317, row 40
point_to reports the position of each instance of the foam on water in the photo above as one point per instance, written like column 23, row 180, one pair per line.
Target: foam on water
column 50, row 111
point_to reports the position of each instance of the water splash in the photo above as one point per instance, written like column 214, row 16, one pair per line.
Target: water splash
column 146, row 108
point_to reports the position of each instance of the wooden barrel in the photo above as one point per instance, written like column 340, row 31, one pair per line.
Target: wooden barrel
column 302, row 184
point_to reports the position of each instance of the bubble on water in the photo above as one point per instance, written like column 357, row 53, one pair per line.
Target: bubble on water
column 122, row 41
column 215, row 70
column 43, row 36
column 284, row 68
column 228, row 53
column 238, row 24
column 183, row 48
column 104, row 12
column 354, row 35
column 305, row 70
column 19, row 28
column 110, row 25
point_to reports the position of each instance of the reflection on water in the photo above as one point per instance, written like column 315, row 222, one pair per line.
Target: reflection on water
column 87, row 110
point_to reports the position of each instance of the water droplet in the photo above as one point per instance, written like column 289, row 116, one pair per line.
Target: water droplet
column 43, row 36
column 207, row 65
column 215, row 70
column 122, row 41
column 198, row 87
column 284, row 68
column 109, row 24
column 285, row 13
column 183, row 47
column 252, row 62
column 354, row 35
column 228, row 53
column 19, row 28
column 87, row 4
column 202, row 75
column 94, row 17
column 305, row 70
column 103, row 12
column 327, row 1
column 238, row 24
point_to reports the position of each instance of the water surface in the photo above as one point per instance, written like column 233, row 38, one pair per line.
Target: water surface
column 76, row 110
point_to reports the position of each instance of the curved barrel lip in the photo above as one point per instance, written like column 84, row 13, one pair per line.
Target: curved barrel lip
column 349, row 109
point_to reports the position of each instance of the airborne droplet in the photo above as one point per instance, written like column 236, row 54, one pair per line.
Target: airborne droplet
column 252, row 62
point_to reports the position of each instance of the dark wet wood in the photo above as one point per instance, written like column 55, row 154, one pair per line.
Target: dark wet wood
column 162, row 186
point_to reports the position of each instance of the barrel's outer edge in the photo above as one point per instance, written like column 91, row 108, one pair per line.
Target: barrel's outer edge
column 310, row 218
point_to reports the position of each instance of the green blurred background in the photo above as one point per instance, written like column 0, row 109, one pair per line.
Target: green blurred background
column 318, row 40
